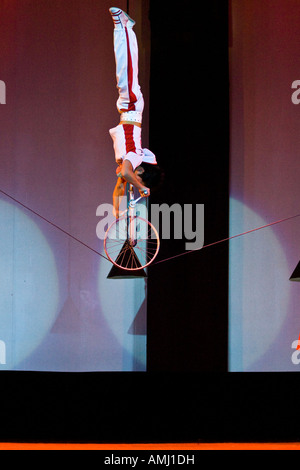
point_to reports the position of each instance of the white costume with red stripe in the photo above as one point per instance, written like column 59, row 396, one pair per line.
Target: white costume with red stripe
column 127, row 137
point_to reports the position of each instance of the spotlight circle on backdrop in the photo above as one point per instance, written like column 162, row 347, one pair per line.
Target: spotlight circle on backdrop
column 29, row 288
column 259, row 289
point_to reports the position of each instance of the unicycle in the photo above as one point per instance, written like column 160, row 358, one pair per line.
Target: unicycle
column 131, row 242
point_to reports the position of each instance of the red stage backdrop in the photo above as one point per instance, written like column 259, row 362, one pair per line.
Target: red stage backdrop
column 58, row 311
column 264, row 305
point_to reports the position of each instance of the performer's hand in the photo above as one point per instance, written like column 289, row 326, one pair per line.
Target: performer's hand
column 144, row 192
column 119, row 171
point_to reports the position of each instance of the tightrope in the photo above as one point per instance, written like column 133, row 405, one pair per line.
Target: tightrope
column 229, row 238
column 157, row 262
column 53, row 224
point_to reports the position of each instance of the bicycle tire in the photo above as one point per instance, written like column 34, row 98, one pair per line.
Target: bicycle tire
column 125, row 256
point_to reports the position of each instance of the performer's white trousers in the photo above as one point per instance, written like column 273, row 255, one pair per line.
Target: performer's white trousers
column 126, row 137
column 126, row 55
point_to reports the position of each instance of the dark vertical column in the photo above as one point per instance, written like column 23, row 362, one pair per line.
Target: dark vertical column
column 187, row 296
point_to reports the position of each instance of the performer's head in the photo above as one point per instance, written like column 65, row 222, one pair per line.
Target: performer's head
column 150, row 175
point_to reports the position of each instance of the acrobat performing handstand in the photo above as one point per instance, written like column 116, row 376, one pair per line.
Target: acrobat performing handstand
column 136, row 165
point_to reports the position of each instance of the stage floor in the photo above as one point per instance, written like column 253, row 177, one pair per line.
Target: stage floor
column 147, row 447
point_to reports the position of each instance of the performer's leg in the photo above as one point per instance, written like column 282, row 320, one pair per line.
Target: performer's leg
column 126, row 55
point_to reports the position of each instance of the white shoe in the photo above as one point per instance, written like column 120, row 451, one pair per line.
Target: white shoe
column 120, row 18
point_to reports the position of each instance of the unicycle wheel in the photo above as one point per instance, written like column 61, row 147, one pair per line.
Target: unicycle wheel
column 131, row 255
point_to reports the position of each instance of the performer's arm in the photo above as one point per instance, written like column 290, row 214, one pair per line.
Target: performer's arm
column 118, row 193
column 129, row 175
